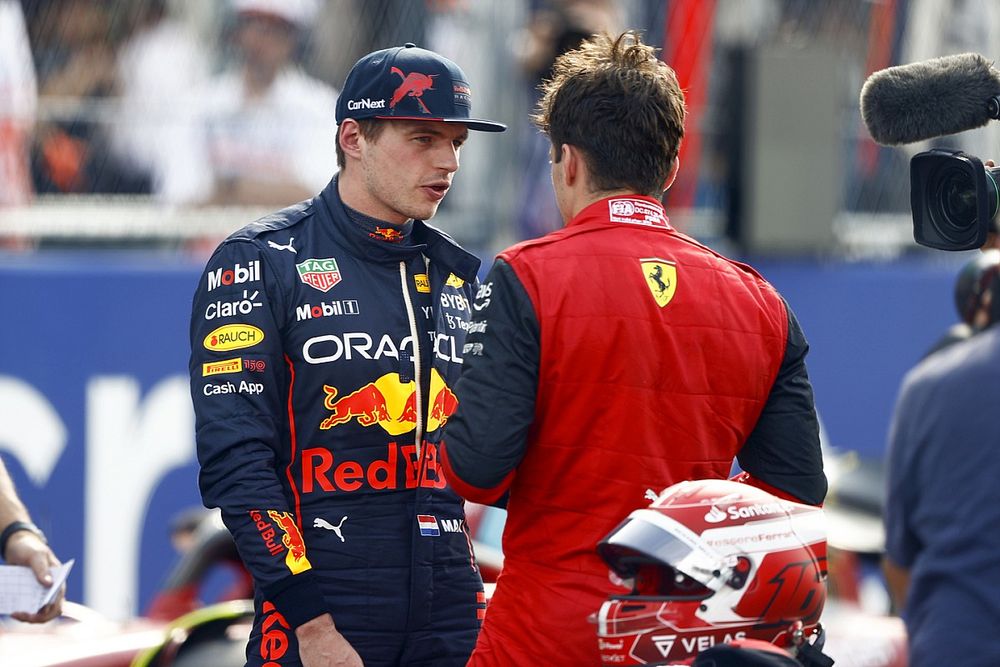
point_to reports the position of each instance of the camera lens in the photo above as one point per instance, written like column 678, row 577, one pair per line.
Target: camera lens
column 956, row 205
column 958, row 198
column 954, row 199
column 955, row 208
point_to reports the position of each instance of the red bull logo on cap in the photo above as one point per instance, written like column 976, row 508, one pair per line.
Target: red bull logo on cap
column 414, row 85
column 295, row 558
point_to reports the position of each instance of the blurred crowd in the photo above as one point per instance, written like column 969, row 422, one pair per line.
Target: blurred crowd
column 231, row 103
column 132, row 100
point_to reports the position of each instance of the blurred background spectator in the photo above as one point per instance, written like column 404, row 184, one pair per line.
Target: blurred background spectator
column 159, row 67
column 199, row 103
column 552, row 28
column 18, row 104
column 264, row 128
column 74, row 45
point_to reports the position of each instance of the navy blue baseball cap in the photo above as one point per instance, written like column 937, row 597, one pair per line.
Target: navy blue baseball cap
column 409, row 83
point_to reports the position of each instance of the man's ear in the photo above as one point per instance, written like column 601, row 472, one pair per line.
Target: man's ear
column 349, row 136
column 572, row 161
column 674, row 168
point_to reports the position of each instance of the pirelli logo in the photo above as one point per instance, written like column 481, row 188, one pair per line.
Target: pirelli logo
column 220, row 367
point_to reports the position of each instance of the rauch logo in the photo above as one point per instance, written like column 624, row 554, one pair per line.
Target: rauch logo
column 233, row 337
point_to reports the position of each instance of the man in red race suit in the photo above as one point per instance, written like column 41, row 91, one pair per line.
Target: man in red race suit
column 613, row 357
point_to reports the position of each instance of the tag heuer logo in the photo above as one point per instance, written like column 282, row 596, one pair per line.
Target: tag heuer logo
column 322, row 274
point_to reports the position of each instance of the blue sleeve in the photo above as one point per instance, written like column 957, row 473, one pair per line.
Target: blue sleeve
column 486, row 438
column 239, row 386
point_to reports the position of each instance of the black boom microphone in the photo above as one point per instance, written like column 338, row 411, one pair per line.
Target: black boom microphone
column 931, row 98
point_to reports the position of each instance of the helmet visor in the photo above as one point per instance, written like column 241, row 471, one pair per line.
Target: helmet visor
column 649, row 537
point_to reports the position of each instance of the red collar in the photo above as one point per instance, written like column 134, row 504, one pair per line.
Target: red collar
column 628, row 209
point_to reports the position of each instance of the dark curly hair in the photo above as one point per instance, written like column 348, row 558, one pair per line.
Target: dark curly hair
column 621, row 106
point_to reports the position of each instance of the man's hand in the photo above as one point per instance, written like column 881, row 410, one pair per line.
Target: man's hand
column 320, row 645
column 26, row 548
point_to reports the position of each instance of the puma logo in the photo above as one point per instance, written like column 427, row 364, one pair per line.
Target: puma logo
column 319, row 522
column 287, row 246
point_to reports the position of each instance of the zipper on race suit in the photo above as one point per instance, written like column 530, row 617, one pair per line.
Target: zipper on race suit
column 419, row 430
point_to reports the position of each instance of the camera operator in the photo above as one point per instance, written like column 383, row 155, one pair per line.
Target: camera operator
column 941, row 515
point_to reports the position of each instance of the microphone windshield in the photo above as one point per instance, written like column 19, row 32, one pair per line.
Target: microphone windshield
column 931, row 98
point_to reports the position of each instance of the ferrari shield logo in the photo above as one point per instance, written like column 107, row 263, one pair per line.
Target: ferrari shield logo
column 661, row 278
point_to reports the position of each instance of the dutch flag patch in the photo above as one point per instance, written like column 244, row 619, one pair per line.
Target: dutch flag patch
column 428, row 525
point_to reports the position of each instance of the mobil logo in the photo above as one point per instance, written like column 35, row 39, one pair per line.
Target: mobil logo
column 237, row 275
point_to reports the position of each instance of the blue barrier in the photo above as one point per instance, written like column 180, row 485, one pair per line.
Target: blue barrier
column 867, row 324
column 95, row 418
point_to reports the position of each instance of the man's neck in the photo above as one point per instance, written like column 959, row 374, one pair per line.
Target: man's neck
column 584, row 198
column 354, row 194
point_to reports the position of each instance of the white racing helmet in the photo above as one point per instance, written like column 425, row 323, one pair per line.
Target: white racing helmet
column 712, row 562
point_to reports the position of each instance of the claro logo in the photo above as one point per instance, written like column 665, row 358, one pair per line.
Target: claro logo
column 233, row 337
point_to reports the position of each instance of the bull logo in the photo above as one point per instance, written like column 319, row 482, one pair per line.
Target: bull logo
column 390, row 403
column 367, row 404
column 414, row 85
column 295, row 559
column 387, row 234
